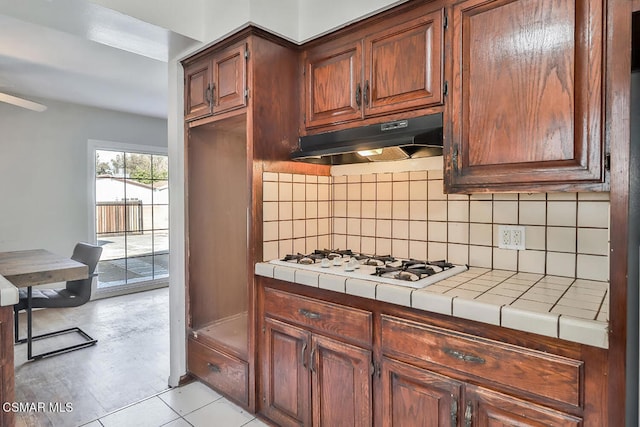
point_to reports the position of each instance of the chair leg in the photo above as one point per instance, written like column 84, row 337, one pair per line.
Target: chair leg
column 88, row 340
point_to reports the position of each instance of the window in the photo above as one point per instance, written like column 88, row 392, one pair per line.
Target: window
column 131, row 219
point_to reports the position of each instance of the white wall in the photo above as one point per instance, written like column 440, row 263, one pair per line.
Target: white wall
column 320, row 16
column 43, row 170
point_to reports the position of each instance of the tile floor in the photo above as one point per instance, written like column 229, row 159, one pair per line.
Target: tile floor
column 192, row 405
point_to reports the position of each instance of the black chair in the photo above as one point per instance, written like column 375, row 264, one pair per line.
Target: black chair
column 74, row 294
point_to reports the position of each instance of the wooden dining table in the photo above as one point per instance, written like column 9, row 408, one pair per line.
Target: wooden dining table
column 28, row 268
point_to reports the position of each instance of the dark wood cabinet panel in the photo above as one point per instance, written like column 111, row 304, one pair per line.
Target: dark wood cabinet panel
column 486, row 408
column 517, row 368
column 197, row 88
column 347, row 323
column 403, row 66
column 526, row 98
column 224, row 372
column 341, row 384
column 333, row 84
column 416, row 397
column 287, row 391
column 229, row 79
column 216, row 83
column 393, row 66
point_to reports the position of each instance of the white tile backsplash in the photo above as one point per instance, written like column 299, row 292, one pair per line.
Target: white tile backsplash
column 407, row 214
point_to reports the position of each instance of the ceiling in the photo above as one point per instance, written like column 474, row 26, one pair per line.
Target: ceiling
column 80, row 52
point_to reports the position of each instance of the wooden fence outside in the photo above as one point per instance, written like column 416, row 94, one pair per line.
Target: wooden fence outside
column 118, row 217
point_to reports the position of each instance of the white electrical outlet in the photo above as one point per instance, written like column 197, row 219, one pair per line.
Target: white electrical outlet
column 511, row 237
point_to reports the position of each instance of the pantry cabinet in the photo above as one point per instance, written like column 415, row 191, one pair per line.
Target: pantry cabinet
column 526, row 99
column 224, row 165
column 314, row 372
column 393, row 65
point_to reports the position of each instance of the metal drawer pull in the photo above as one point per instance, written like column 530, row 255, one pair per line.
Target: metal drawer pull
column 213, row 367
column 462, row 356
column 309, row 314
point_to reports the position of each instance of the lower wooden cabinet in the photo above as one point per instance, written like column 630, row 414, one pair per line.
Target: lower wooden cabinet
column 286, row 378
column 326, row 363
column 340, row 383
column 416, row 397
column 314, row 369
column 485, row 407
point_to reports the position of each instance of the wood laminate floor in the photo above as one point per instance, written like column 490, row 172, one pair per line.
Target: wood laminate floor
column 130, row 362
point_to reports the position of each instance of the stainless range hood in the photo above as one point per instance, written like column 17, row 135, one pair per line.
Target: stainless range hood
column 396, row 140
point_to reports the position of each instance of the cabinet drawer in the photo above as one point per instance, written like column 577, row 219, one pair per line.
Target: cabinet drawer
column 345, row 322
column 225, row 373
column 546, row 375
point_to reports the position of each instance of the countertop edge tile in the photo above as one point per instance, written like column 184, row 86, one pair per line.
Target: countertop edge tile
column 361, row 288
column 284, row 273
column 307, row 278
column 530, row 321
column 264, row 269
column 476, row 310
column 583, row 331
column 8, row 293
column 332, row 282
column 429, row 301
column 394, row 294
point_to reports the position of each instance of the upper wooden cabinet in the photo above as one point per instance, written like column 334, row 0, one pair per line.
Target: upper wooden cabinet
column 396, row 65
column 526, row 105
column 216, row 83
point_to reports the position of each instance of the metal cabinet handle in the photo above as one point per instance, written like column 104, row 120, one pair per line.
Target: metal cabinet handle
column 213, row 367
column 304, row 348
column 463, row 356
column 213, row 94
column 366, row 92
column 311, row 360
column 454, row 411
column 358, row 95
column 309, row 314
column 207, row 95
column 468, row 413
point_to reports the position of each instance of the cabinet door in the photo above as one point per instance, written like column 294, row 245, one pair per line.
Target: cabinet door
column 285, row 374
column 526, row 99
column 229, row 79
column 198, row 100
column 488, row 408
column 333, row 84
column 417, row 397
column 341, row 384
column 403, row 66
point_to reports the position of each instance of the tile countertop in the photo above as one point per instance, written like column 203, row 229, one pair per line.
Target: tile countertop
column 560, row 307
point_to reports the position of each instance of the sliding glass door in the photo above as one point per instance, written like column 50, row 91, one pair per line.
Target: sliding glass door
column 131, row 219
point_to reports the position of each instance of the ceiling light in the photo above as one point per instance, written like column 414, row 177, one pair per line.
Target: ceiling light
column 367, row 153
column 20, row 102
